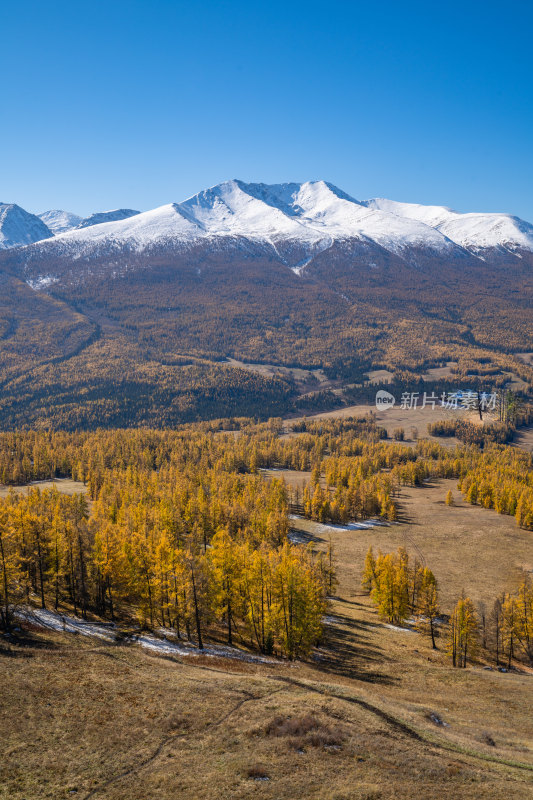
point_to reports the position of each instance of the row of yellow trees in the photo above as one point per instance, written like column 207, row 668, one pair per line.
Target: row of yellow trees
column 507, row 634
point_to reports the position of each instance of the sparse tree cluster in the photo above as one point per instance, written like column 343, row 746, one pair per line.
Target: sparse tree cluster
column 401, row 589
column 511, row 626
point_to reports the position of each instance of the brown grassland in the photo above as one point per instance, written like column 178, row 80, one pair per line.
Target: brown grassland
column 64, row 485
column 87, row 719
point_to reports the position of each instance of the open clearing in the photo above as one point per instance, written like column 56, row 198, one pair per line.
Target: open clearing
column 142, row 726
column 467, row 547
column 527, row 358
column 64, row 485
column 380, row 376
column 524, row 439
column 434, row 373
column 302, row 376
column 414, row 421
column 98, row 719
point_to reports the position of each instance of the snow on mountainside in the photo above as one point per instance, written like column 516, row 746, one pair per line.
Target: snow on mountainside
column 107, row 216
column 472, row 231
column 232, row 209
column 324, row 208
column 18, row 227
column 295, row 221
column 60, row 221
column 134, row 233
column 308, row 216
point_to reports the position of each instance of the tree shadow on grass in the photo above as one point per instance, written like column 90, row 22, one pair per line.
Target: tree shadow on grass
column 299, row 536
column 347, row 650
column 19, row 644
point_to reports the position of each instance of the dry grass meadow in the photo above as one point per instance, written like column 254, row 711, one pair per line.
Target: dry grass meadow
column 64, row 485
column 86, row 719
column 413, row 421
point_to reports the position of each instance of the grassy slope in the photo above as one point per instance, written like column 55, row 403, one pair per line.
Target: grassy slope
column 82, row 719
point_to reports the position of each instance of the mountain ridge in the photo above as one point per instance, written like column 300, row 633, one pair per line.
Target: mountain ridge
column 132, row 321
column 18, row 227
column 306, row 215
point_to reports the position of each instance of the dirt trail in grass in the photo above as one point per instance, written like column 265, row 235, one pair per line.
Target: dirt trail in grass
column 142, row 763
column 124, row 723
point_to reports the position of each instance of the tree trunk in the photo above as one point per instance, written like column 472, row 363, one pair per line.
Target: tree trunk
column 110, row 593
column 82, row 578
column 432, row 629
column 6, row 585
column 230, row 640
column 196, row 612
column 41, row 577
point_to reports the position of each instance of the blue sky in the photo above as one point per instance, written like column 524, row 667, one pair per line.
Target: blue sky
column 138, row 104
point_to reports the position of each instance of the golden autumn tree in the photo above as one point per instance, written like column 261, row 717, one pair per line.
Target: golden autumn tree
column 10, row 572
column 299, row 598
column 226, row 569
column 428, row 604
column 463, row 632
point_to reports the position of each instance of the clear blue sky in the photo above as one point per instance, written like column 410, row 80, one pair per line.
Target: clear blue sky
column 142, row 103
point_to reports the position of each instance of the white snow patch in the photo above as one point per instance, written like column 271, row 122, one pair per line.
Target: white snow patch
column 295, row 537
column 166, row 643
column 42, row 282
column 176, row 647
column 398, row 628
column 331, row 620
column 55, row 621
column 351, row 526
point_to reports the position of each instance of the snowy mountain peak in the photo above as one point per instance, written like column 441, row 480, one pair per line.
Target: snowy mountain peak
column 473, row 231
column 18, row 227
column 59, row 221
column 286, row 196
column 294, row 220
column 234, row 208
column 107, row 216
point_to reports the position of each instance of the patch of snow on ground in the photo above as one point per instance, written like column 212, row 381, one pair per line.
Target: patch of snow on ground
column 351, row 526
column 295, row 537
column 42, row 282
column 397, row 628
column 60, row 622
column 167, row 643
column 180, row 648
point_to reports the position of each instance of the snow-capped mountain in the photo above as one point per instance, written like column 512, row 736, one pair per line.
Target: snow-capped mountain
column 295, row 221
column 107, row 216
column 299, row 225
column 474, row 232
column 18, row 227
column 60, row 221
column 306, row 217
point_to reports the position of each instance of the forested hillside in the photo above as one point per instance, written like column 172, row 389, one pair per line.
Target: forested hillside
column 181, row 530
column 143, row 338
